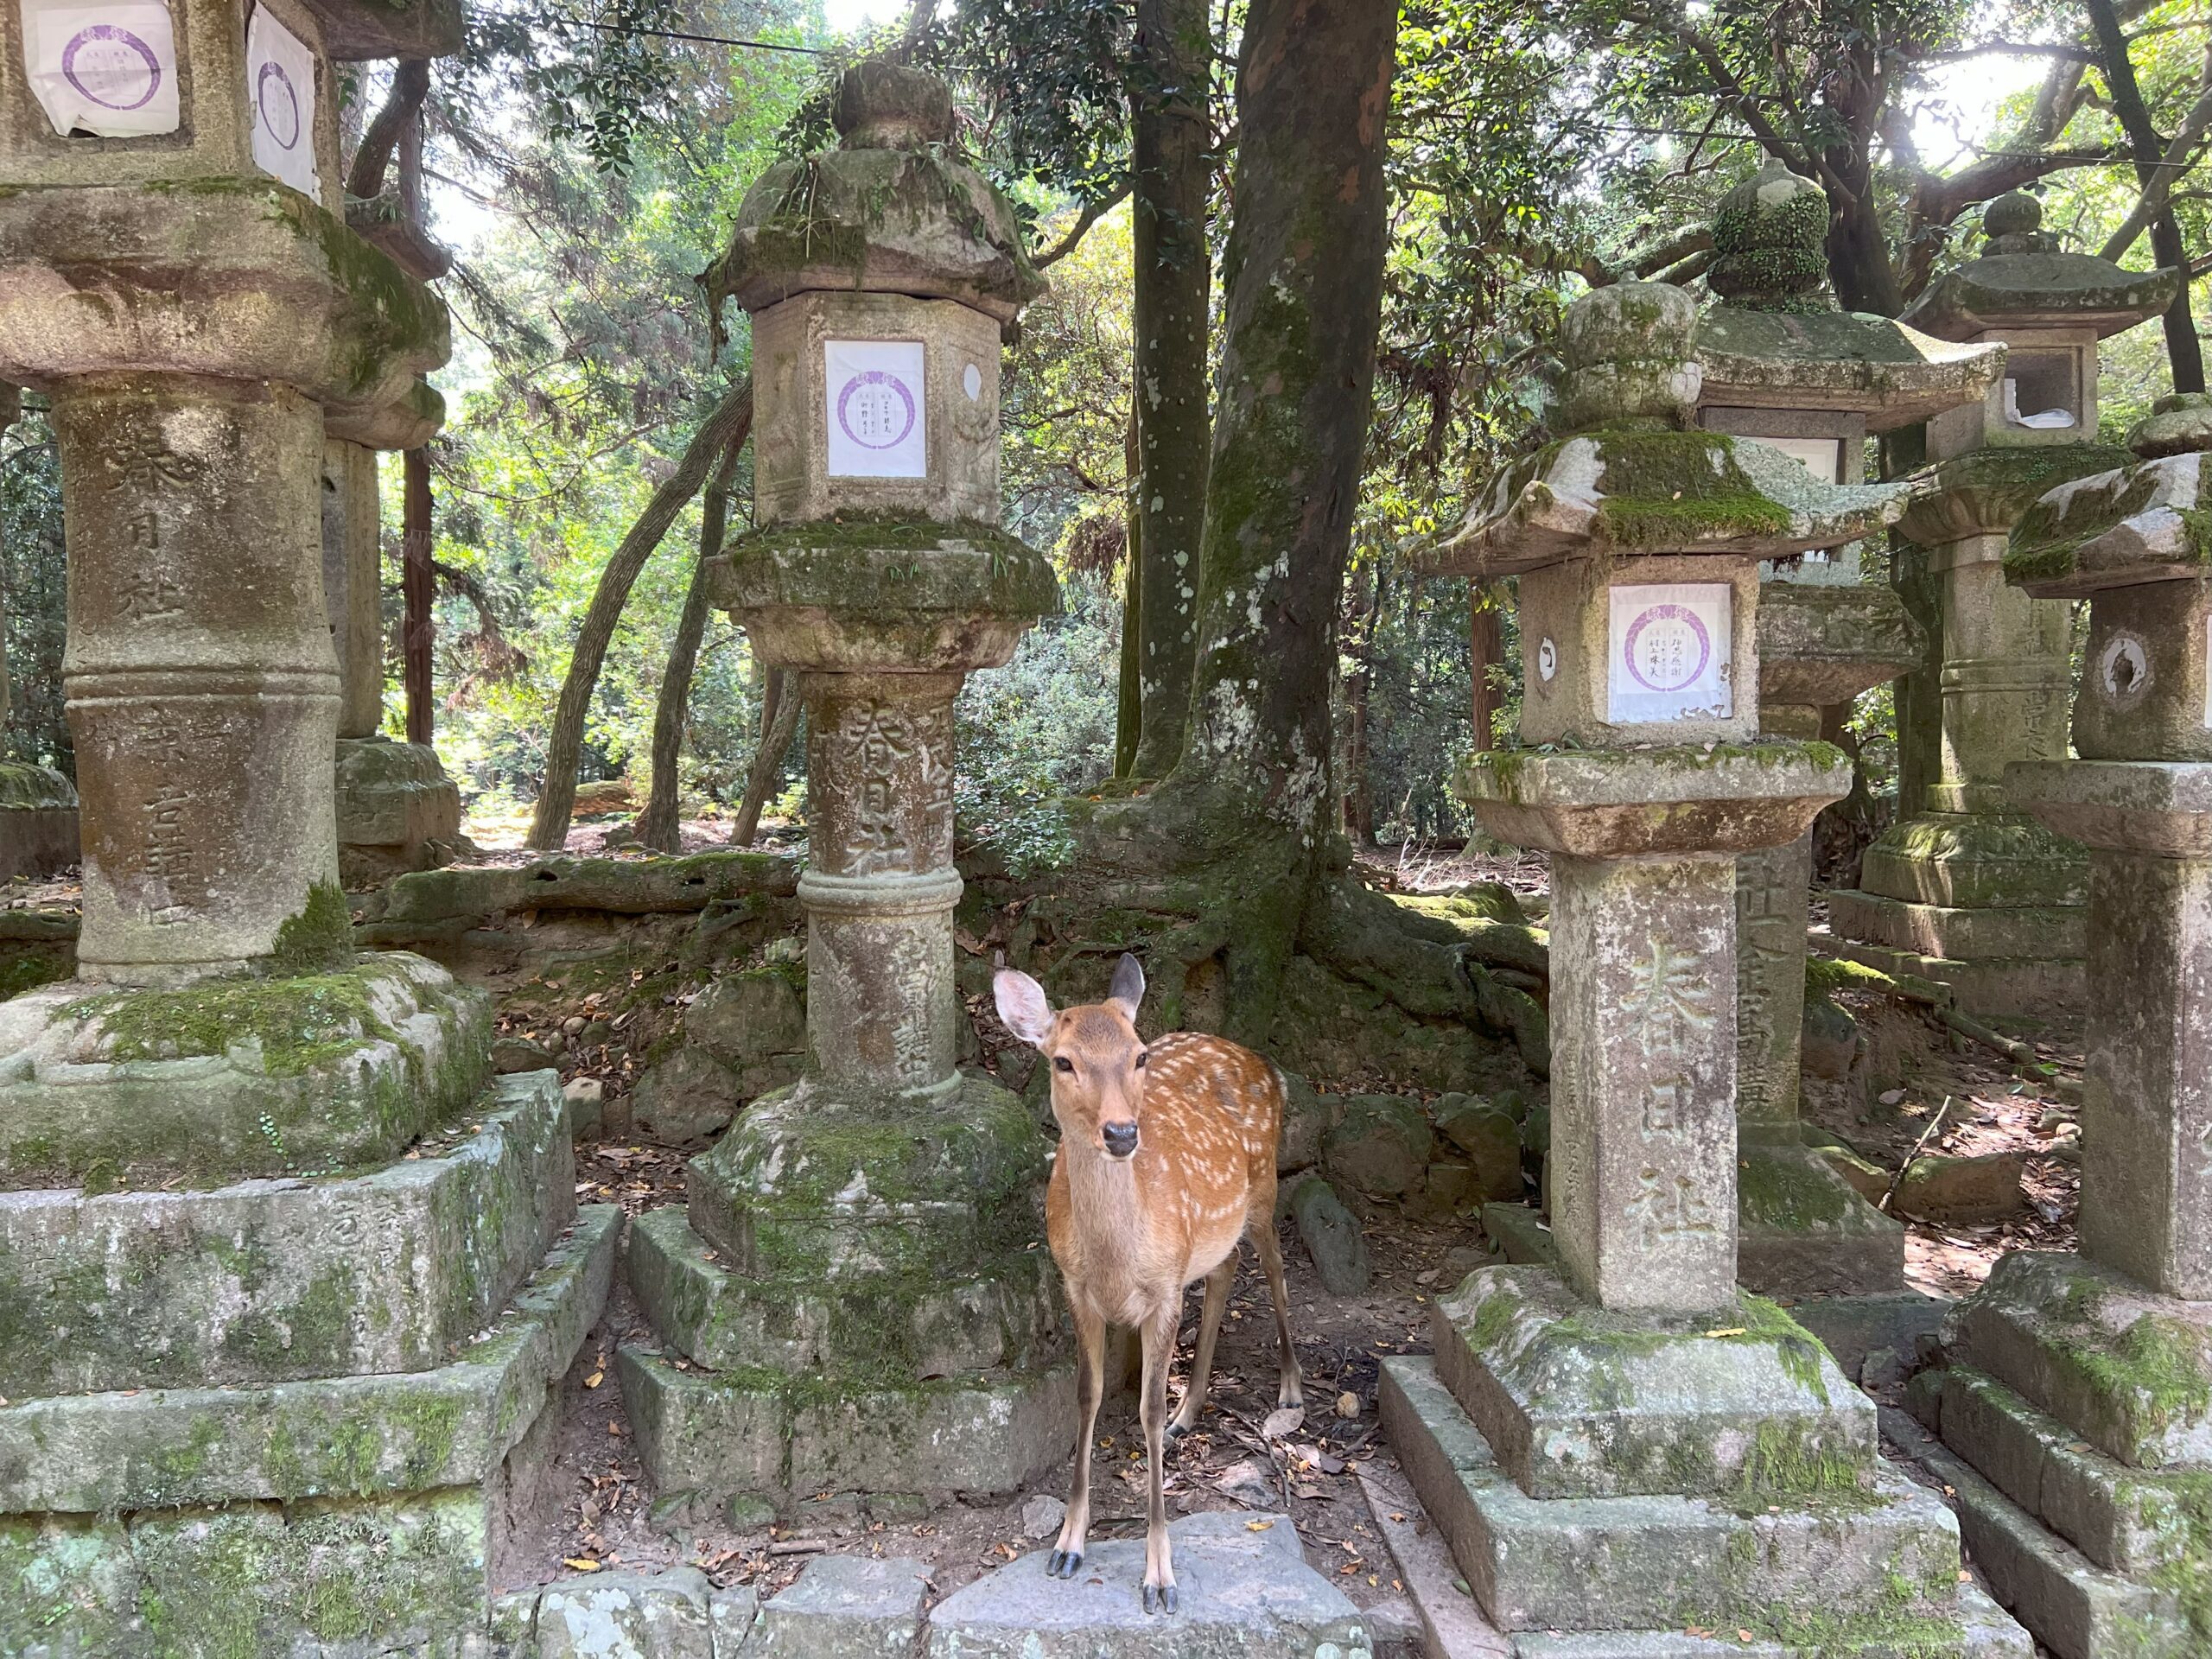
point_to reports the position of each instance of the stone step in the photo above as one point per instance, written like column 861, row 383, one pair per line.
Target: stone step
column 809, row 1184
column 2073, row 1607
column 1581, row 1403
column 784, row 1437
column 904, row 1328
column 333, row 1437
column 1837, row 1574
column 1987, row 1632
column 356, row 1516
column 2146, row 1526
column 1244, row 1591
column 269, row 1281
column 2129, row 1371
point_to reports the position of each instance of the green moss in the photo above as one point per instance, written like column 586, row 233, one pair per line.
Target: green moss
column 26, row 788
column 1782, row 1192
column 1825, row 976
column 2158, row 1365
column 319, row 938
column 26, row 969
column 299, row 1023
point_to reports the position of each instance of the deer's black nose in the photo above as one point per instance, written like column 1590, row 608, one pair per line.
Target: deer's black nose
column 1120, row 1138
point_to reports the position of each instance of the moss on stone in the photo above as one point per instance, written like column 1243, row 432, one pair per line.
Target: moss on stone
column 318, row 939
column 1680, row 489
column 1825, row 976
column 298, row 1023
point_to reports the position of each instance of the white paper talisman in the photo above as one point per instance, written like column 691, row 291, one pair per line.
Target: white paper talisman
column 878, row 423
column 1670, row 653
column 109, row 70
column 280, row 89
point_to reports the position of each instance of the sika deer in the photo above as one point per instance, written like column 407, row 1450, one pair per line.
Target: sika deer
column 1167, row 1158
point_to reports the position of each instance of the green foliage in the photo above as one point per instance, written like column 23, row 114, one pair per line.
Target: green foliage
column 33, row 577
column 1037, row 730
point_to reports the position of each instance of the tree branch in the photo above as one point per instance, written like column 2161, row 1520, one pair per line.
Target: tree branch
column 2158, row 191
column 411, row 84
column 1092, row 213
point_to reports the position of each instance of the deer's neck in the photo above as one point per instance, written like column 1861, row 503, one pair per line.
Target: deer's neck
column 1109, row 1207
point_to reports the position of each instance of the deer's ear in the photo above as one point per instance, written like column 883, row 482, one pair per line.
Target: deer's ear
column 1127, row 990
column 1023, row 1006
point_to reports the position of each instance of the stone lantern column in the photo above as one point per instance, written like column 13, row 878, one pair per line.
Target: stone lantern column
column 855, row 1290
column 1699, row 1448
column 290, row 1285
column 1782, row 364
column 2080, row 1389
column 1965, row 889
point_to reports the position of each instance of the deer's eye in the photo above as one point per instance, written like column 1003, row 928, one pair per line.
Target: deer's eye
column 1140, row 1059
column 1061, row 1063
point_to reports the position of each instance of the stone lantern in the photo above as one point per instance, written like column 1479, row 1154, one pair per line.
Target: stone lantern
column 1965, row 888
column 1610, row 1445
column 290, row 1283
column 2080, row 1387
column 1782, row 364
column 857, row 1295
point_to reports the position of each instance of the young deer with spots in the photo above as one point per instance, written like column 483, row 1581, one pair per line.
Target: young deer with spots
column 1167, row 1158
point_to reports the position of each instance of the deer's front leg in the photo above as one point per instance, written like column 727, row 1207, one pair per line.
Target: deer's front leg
column 1066, row 1559
column 1159, row 1354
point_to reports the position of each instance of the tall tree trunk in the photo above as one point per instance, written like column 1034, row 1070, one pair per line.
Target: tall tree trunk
column 1358, row 795
column 1860, row 266
column 779, row 711
column 1173, row 278
column 417, row 589
column 1485, row 651
column 2184, row 352
column 723, row 430
column 411, row 84
column 1129, row 698
column 661, row 824
column 1243, row 817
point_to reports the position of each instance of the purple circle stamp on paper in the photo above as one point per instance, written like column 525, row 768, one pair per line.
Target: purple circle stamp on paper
column 112, row 67
column 280, row 110
column 1668, row 647
column 875, row 410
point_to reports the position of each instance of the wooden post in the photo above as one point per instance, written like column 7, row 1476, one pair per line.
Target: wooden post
column 1485, row 650
column 417, row 588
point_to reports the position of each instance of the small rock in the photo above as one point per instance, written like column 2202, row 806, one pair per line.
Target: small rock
column 743, row 1018
column 1347, row 1404
column 2055, row 1119
column 573, row 1024
column 1449, row 1188
column 1831, row 1040
column 1882, row 1369
column 1381, row 1149
column 1891, row 1096
column 1462, row 1259
column 1490, row 1138
column 749, row 1514
column 587, row 1103
column 1962, row 1192
column 1041, row 1516
column 512, row 1054
column 1870, row 1180
column 1332, row 1238
column 685, row 1102
column 1249, row 1485
column 1536, row 1131
column 1923, row 1399
column 594, row 1034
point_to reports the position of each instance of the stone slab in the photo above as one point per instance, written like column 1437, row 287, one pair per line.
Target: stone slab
column 1803, row 1230
column 2001, row 986
column 1850, row 1327
column 1881, row 1564
column 1518, row 1230
column 271, row 1279
column 906, row 1327
column 1243, row 1591
column 1986, row 1631
column 830, row 1184
column 335, row 1437
column 2073, row 1607
column 1452, row 1620
column 37, row 841
column 845, row 1607
column 2128, row 1371
column 393, row 795
column 2147, row 1527
column 1582, row 1403
column 2035, row 931
column 785, row 1437
column 664, row 1615
column 324, row 1073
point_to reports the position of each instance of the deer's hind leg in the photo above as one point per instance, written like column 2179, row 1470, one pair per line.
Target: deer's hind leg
column 1290, row 1390
column 1217, row 1299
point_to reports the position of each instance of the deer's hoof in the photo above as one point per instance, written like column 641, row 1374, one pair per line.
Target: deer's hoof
column 1160, row 1598
column 1064, row 1564
column 1177, row 1430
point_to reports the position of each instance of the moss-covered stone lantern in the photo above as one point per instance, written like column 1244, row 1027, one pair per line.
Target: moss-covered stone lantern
column 1965, row 888
column 855, row 1300
column 1782, row 364
column 290, row 1282
column 2080, row 1387
column 1636, row 1399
